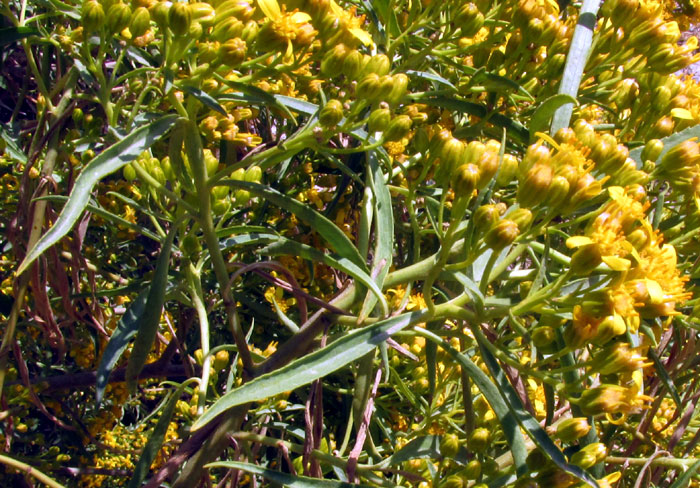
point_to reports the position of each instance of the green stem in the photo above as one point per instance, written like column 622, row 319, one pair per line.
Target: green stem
column 31, row 471
column 195, row 284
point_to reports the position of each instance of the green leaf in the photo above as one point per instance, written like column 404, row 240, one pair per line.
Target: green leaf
column 311, row 367
column 11, row 146
column 335, row 237
column 255, row 95
column 127, row 327
column 507, row 419
column 383, row 230
column 576, row 61
column 665, row 378
column 497, row 83
column 283, row 478
column 544, row 112
column 528, row 422
column 284, row 246
column 684, row 480
column 427, row 447
column 203, row 97
column 430, row 76
column 155, row 440
column 247, row 239
column 150, row 318
column 301, row 106
column 9, row 35
column 669, row 143
column 514, row 128
column 109, row 161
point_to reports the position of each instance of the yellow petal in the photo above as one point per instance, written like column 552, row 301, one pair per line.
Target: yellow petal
column 616, row 192
column 289, row 54
column 656, row 293
column 617, row 264
column 365, row 38
column 578, row 241
column 300, row 17
column 270, row 8
column 336, row 9
column 681, row 113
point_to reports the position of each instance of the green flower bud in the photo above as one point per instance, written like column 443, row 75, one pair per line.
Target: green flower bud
column 233, row 52
column 331, row 113
column 502, row 235
column 180, row 18
column 159, row 14
column 586, row 259
column 449, row 445
column 332, row 63
column 253, row 174
column 543, row 336
column 118, row 17
column 535, row 154
column 534, row 188
column 452, row 481
column 378, row 120
column 352, row 64
column 618, row 357
column 485, row 217
column 488, row 166
column 522, row 217
column 661, row 99
column 93, row 16
column 398, row 128
column 558, row 191
column 129, row 172
column 572, row 429
column 479, row 440
column 507, row 171
column 250, row 32
column 240, row 9
column 203, row 13
column 652, row 150
column 368, row 88
column 683, row 155
column 464, row 180
column 451, row 154
column 590, row 455
column 78, row 116
column 140, row 22
column 378, row 64
column 469, row 19
column 227, row 29
column 238, row 175
column 398, row 90
column 472, row 470
column 221, row 360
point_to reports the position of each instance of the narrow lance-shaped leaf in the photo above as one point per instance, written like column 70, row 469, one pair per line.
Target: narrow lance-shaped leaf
column 383, row 230
column 528, row 422
column 127, row 327
column 109, row 161
column 576, row 61
column 313, row 366
column 545, row 111
column 283, row 478
column 337, row 239
column 148, row 325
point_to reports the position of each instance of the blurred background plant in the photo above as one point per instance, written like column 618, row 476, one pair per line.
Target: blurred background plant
column 263, row 242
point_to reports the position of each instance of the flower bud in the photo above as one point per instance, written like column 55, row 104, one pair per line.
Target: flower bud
column 368, row 88
column 140, row 22
column 543, row 336
column 378, row 64
column 618, row 357
column 558, row 191
column 590, row 455
column 661, row 99
column 233, row 52
column 472, row 470
column 533, row 190
column 507, row 171
column 663, row 127
column 469, row 19
column 118, row 17
column 221, row 360
column 331, row 113
column 604, row 399
column 352, row 64
column 479, row 440
column 398, row 89
column 253, row 174
column 332, row 63
column 488, row 166
column 522, row 217
column 180, row 18
column 93, row 16
column 502, row 235
column 535, row 154
column 485, row 217
column 652, row 150
column 241, row 9
column 449, row 445
column 250, row 32
column 159, row 13
column 227, row 29
column 398, row 128
column 129, row 172
column 452, row 481
column 378, row 120
column 203, row 13
column 586, row 259
column 685, row 154
column 572, row 429
column 611, row 326
column 465, row 179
